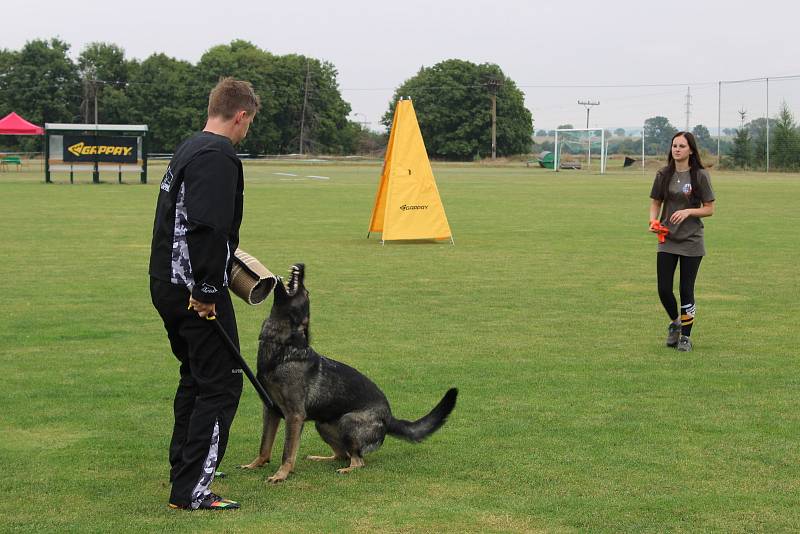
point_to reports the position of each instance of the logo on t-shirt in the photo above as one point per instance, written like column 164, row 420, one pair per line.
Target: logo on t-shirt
column 687, row 189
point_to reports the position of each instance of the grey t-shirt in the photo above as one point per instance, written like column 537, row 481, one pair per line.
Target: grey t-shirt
column 686, row 238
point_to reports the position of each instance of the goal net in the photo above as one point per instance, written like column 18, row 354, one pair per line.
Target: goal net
column 580, row 148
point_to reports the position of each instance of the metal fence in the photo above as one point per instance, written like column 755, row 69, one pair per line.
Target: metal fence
column 766, row 136
column 762, row 108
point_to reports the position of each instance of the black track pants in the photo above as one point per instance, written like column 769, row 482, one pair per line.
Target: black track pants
column 666, row 264
column 208, row 391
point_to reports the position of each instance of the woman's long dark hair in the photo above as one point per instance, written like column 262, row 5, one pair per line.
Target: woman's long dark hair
column 695, row 164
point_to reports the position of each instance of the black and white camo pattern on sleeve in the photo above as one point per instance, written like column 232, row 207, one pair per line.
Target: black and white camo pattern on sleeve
column 181, row 265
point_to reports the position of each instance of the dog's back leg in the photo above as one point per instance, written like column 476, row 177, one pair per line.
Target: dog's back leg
column 271, row 422
column 361, row 432
column 329, row 432
column 355, row 463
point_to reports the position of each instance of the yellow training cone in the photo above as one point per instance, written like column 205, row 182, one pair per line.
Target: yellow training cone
column 408, row 205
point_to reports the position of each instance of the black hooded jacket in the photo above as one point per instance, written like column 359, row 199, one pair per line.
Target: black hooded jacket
column 199, row 211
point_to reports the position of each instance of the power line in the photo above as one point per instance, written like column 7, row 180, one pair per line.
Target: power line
column 551, row 85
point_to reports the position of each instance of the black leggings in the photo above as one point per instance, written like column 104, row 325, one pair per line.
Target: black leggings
column 665, row 269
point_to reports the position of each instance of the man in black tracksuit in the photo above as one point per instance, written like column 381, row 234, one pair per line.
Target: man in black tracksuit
column 195, row 234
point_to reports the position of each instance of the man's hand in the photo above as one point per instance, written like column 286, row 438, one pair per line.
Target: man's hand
column 203, row 309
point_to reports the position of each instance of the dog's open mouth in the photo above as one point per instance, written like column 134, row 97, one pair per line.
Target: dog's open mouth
column 295, row 278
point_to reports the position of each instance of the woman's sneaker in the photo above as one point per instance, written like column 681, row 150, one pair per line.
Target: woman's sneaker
column 684, row 344
column 673, row 334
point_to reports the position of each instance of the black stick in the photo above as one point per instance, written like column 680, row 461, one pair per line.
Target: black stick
column 240, row 360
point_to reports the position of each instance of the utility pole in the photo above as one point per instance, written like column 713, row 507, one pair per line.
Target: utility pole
column 588, row 104
column 719, row 122
column 305, row 103
column 364, row 122
column 688, row 106
column 767, row 125
column 643, row 134
column 493, row 85
column 89, row 96
column 85, row 103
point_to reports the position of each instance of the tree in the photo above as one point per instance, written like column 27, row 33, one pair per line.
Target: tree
column 8, row 60
column 757, row 128
column 625, row 145
column 619, row 132
column 565, row 127
column 40, row 82
column 296, row 92
column 369, row 142
column 785, row 146
column 163, row 94
column 246, row 61
column 704, row 139
column 104, row 72
column 741, row 152
column 452, row 103
column 105, row 62
column 658, row 134
column 7, row 63
column 301, row 99
column 328, row 131
column 541, row 133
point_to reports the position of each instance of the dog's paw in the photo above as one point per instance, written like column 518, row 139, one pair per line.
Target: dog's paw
column 255, row 464
column 277, row 478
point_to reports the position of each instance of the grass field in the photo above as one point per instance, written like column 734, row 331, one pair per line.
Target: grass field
column 572, row 416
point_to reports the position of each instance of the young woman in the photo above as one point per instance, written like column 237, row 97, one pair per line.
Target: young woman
column 681, row 196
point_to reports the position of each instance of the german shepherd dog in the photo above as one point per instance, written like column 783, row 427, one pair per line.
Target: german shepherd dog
column 350, row 413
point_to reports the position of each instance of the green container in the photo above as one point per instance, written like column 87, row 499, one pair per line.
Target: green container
column 547, row 159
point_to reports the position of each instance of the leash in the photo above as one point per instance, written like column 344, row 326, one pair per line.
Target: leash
column 241, row 361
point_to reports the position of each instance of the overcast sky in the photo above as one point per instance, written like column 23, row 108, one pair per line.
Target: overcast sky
column 547, row 47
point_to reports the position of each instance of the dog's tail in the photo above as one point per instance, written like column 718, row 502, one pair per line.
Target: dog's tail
column 420, row 429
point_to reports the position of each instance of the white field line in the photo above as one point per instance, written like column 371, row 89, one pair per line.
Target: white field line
column 319, row 177
column 284, row 174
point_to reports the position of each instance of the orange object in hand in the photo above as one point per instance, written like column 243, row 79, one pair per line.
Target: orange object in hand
column 660, row 229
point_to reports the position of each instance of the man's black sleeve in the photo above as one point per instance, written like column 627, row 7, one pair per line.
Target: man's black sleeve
column 211, row 181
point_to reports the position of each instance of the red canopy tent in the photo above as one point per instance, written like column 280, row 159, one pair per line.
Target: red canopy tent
column 13, row 124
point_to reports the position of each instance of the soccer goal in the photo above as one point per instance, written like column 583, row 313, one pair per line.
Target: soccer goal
column 580, row 148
